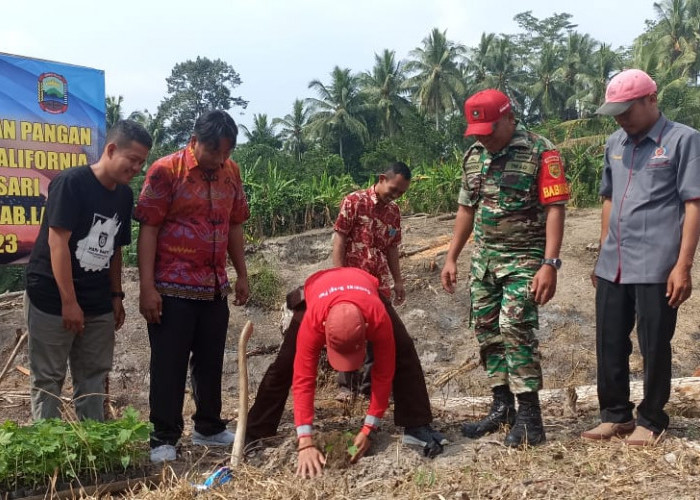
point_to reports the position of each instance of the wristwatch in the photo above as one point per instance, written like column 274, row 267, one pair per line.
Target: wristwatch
column 555, row 263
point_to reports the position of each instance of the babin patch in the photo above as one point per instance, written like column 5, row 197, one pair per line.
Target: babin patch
column 554, row 170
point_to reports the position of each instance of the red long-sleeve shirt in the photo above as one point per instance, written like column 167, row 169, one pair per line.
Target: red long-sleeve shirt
column 322, row 290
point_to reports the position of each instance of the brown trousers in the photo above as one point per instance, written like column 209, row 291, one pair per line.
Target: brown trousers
column 411, row 402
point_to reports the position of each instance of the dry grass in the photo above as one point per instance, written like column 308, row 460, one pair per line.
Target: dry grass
column 564, row 468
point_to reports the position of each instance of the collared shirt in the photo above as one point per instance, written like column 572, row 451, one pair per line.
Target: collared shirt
column 648, row 183
column 509, row 190
column 194, row 209
column 371, row 227
column 322, row 291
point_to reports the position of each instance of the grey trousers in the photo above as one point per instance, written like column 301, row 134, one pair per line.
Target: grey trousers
column 52, row 348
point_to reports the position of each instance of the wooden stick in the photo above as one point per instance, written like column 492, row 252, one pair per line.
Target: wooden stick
column 13, row 355
column 239, row 441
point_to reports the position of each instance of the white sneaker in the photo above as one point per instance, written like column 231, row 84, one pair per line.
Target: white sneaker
column 163, row 453
column 223, row 438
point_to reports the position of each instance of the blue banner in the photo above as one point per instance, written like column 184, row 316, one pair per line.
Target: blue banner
column 52, row 117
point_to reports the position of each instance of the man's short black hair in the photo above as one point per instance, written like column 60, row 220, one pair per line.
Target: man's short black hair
column 125, row 131
column 215, row 125
column 398, row 168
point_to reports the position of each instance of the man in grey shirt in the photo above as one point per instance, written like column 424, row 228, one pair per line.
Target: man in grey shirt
column 649, row 232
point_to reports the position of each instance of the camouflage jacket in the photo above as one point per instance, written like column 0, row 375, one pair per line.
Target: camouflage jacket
column 509, row 219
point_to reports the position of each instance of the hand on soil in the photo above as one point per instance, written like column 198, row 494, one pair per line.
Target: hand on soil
column 362, row 443
column 311, row 462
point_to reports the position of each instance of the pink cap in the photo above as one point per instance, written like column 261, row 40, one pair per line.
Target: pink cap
column 624, row 89
column 345, row 337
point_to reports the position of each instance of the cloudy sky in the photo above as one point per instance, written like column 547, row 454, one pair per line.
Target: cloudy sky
column 277, row 46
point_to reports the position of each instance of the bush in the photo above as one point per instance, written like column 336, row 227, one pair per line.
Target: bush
column 11, row 278
column 31, row 455
column 265, row 285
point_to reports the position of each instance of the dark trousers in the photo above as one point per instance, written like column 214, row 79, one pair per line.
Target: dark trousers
column 359, row 381
column 190, row 332
column 618, row 306
column 411, row 402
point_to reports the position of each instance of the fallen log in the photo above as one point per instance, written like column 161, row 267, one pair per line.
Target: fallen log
column 684, row 401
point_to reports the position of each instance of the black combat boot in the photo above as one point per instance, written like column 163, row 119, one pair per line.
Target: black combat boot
column 502, row 412
column 528, row 428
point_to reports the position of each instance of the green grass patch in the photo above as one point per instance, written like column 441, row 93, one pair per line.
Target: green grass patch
column 266, row 287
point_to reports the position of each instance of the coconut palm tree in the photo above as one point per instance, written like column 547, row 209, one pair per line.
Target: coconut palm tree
column 547, row 94
column 113, row 110
column 262, row 132
column 577, row 61
column 477, row 69
column 292, row 129
column 338, row 110
column 384, row 87
column 605, row 62
column 437, row 86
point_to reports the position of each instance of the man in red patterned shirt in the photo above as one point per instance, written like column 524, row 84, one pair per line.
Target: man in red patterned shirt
column 368, row 230
column 192, row 208
column 367, row 236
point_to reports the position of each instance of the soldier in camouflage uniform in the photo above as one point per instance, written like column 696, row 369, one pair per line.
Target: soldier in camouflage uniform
column 512, row 197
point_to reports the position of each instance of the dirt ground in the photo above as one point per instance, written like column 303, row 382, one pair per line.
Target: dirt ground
column 564, row 467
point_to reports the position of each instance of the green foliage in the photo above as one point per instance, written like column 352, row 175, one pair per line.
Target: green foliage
column 411, row 110
column 129, row 256
column 434, row 188
column 11, row 278
column 195, row 87
column 424, row 478
column 265, row 284
column 30, row 455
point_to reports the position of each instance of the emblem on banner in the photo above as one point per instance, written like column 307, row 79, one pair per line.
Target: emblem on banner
column 53, row 93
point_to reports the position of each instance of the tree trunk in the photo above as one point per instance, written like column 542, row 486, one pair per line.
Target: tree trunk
column 571, row 401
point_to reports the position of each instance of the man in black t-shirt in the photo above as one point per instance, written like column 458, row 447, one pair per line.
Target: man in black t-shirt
column 74, row 294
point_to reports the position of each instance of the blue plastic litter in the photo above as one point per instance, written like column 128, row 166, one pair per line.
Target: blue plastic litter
column 220, row 476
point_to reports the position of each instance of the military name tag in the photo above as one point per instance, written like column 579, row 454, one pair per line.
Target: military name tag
column 472, row 165
column 520, row 166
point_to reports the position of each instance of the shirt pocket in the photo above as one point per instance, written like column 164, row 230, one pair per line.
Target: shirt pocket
column 516, row 185
column 655, row 179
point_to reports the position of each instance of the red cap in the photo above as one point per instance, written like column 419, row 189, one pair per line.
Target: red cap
column 483, row 109
column 345, row 337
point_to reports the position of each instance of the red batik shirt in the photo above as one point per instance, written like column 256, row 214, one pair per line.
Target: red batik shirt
column 371, row 227
column 194, row 209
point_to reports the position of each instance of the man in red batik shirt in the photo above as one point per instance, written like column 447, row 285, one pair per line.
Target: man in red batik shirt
column 191, row 209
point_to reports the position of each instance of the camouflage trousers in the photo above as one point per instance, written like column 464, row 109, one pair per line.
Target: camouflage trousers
column 504, row 313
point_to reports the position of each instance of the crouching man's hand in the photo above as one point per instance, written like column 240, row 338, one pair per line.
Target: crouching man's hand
column 310, row 460
column 362, row 443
